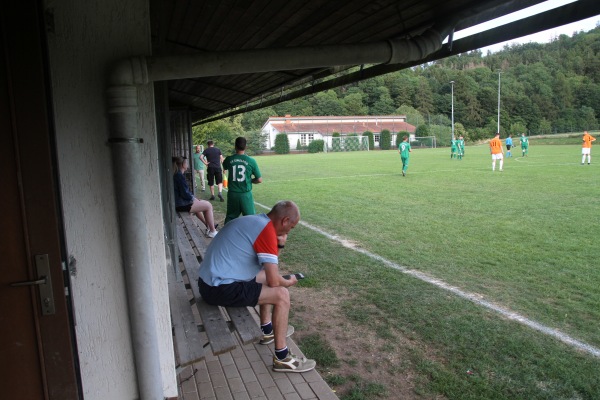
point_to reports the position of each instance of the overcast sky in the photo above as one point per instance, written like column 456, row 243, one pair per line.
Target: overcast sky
column 540, row 37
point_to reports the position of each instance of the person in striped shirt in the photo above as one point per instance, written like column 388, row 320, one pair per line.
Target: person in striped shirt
column 497, row 152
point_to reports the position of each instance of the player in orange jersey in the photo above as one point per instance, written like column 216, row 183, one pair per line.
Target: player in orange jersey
column 497, row 152
column 586, row 150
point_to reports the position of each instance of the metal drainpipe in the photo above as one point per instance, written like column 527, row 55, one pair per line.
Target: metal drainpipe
column 391, row 51
column 125, row 142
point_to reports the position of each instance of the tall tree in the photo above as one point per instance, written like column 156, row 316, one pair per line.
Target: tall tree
column 423, row 98
column 327, row 103
column 384, row 104
column 353, row 103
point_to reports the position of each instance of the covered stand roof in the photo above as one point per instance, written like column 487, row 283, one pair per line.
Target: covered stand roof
column 217, row 26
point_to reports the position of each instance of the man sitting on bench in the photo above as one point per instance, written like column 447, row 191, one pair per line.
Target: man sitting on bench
column 240, row 269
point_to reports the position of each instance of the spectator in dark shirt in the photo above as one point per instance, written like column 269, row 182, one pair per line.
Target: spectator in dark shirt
column 185, row 200
column 213, row 158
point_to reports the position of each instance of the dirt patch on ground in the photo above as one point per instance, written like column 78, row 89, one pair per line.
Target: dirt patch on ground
column 361, row 352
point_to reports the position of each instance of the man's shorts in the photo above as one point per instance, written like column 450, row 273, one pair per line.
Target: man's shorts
column 498, row 156
column 214, row 174
column 239, row 203
column 236, row 294
column 586, row 150
column 508, row 146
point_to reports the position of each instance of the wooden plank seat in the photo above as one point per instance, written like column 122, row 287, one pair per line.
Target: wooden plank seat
column 219, row 323
column 189, row 344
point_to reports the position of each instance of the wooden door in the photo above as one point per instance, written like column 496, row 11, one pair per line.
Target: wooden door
column 37, row 356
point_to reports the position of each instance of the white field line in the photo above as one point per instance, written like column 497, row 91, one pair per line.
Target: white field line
column 478, row 169
column 477, row 299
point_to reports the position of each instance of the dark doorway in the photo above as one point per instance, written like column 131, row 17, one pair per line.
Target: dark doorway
column 38, row 359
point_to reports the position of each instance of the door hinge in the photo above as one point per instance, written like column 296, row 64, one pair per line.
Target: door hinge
column 72, row 266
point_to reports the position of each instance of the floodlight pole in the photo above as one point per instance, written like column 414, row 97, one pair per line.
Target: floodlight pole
column 499, row 72
column 452, row 86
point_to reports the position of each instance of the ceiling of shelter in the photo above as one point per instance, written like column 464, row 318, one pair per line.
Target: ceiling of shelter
column 208, row 26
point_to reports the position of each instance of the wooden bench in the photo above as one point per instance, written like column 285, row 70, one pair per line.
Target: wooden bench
column 220, row 324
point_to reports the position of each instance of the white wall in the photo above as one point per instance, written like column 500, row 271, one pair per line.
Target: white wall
column 89, row 37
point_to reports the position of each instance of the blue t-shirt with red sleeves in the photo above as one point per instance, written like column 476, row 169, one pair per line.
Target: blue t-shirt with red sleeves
column 240, row 249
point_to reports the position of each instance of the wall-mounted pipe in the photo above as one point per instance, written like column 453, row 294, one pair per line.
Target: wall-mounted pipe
column 283, row 59
column 125, row 145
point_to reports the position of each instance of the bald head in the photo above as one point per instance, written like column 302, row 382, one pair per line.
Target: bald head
column 285, row 209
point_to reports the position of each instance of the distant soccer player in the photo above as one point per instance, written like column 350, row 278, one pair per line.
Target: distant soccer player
column 404, row 150
column 497, row 152
column 509, row 144
column 460, row 147
column 586, row 150
column 453, row 148
column 198, row 167
column 242, row 172
column 524, row 144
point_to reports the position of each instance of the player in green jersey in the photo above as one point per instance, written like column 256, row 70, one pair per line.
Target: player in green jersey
column 460, row 147
column 524, row 144
column 453, row 148
column 199, row 168
column 242, row 172
column 404, row 150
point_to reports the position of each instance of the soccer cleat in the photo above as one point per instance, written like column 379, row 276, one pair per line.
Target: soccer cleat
column 221, row 198
column 293, row 363
column 212, row 234
column 212, row 197
column 270, row 338
column 403, row 173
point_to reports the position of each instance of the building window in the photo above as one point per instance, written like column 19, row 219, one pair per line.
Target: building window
column 306, row 138
column 376, row 138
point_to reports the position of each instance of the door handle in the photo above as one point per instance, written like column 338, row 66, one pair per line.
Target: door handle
column 41, row 281
column 44, row 284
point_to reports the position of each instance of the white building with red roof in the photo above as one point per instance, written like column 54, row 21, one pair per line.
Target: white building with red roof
column 307, row 129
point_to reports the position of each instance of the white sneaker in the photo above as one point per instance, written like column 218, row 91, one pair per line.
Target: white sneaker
column 212, row 234
column 293, row 363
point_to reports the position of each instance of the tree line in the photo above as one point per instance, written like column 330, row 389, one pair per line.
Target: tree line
column 544, row 89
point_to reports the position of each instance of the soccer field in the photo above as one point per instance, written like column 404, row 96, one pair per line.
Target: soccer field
column 526, row 237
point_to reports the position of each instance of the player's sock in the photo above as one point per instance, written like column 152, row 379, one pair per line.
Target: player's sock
column 501, row 164
column 583, row 159
column 267, row 328
column 282, row 353
column 493, row 166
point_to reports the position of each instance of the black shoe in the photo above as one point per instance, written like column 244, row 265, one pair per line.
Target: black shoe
column 221, row 198
column 212, row 197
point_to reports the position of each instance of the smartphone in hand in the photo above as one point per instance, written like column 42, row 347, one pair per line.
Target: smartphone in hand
column 298, row 276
